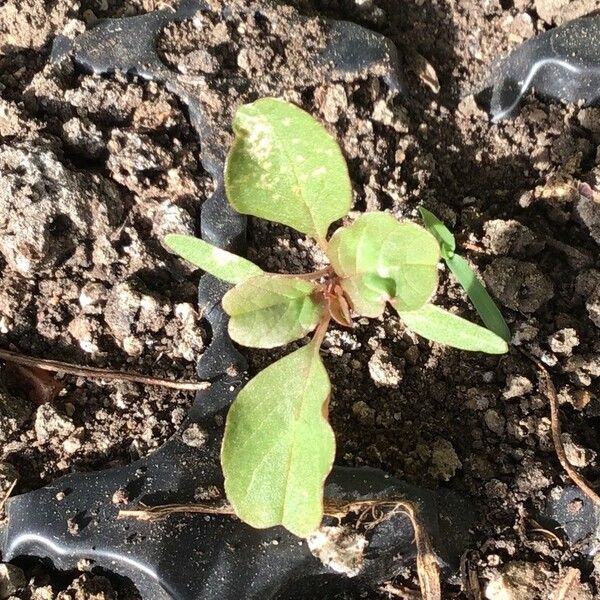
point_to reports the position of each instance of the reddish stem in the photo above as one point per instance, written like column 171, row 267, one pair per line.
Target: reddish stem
column 320, row 332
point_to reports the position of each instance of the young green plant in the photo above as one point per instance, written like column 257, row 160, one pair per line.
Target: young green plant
column 278, row 446
column 484, row 305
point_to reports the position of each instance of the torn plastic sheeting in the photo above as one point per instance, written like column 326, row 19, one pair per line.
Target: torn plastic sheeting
column 193, row 557
column 560, row 64
column 573, row 513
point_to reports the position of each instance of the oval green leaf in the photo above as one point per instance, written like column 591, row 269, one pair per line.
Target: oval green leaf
column 285, row 167
column 278, row 447
column 439, row 325
column 442, row 234
column 484, row 305
column 272, row 310
column 216, row 261
column 381, row 260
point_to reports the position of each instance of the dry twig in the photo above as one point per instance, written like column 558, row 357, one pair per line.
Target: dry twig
column 428, row 568
column 567, row 586
column 549, row 534
column 5, row 498
column 403, row 594
column 156, row 513
column 470, row 578
column 549, row 391
column 98, row 373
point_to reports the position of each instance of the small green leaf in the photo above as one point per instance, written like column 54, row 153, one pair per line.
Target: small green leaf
column 285, row 167
column 439, row 325
column 278, row 446
column 271, row 310
column 485, row 306
column 442, row 234
column 220, row 263
column 488, row 311
column 380, row 260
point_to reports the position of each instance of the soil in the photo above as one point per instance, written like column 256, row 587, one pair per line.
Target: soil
column 103, row 291
column 93, row 172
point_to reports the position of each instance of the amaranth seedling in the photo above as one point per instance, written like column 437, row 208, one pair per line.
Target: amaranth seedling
column 278, row 446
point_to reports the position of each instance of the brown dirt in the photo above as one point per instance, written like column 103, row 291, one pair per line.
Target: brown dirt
column 426, row 414
column 94, row 171
column 237, row 58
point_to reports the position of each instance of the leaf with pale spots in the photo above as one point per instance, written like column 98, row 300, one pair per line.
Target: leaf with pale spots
column 381, row 260
column 216, row 261
column 278, row 447
column 272, row 310
column 285, row 167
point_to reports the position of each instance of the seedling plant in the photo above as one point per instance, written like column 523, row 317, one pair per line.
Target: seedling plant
column 278, row 446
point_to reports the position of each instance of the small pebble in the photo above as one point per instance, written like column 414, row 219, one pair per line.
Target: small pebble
column 120, row 497
column 12, row 579
column 363, row 412
column 494, row 421
column 194, row 436
column 563, row 341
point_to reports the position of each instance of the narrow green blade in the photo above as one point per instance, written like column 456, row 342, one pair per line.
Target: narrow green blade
column 216, row 261
column 439, row 325
column 441, row 233
column 488, row 311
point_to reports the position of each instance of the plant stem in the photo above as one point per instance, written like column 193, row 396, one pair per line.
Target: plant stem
column 323, row 244
column 320, row 332
column 98, row 373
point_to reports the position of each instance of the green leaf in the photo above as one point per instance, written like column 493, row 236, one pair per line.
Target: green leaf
column 220, row 263
column 272, row 310
column 439, row 325
column 488, row 311
column 285, row 167
column 442, row 234
column 381, row 260
column 485, row 306
column 278, row 446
